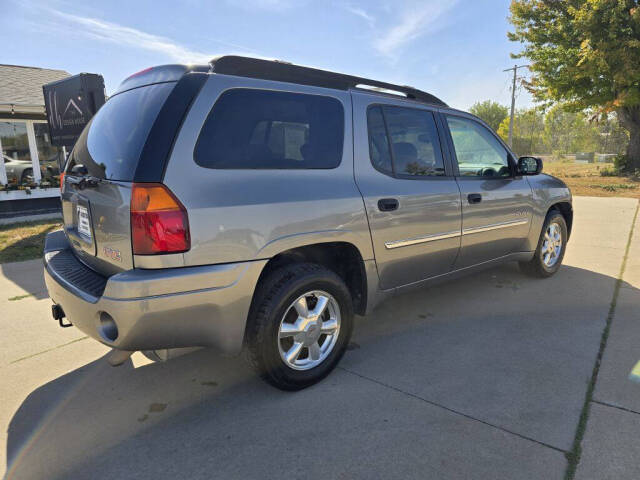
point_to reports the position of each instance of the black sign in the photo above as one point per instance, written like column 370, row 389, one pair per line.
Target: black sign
column 70, row 104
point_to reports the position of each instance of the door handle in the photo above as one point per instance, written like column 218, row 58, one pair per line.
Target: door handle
column 387, row 204
column 474, row 198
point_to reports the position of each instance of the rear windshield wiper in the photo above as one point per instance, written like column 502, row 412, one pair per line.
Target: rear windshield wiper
column 83, row 182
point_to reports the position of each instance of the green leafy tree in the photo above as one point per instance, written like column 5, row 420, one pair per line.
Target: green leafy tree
column 586, row 54
column 569, row 132
column 491, row 112
column 528, row 126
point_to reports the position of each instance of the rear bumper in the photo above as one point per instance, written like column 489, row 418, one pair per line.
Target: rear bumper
column 153, row 309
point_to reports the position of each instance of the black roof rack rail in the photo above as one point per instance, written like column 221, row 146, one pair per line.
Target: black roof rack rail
column 287, row 72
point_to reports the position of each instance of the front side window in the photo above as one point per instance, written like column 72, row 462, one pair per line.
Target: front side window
column 264, row 129
column 413, row 137
column 478, row 151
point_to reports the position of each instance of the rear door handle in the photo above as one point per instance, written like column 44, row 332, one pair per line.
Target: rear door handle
column 474, row 198
column 387, row 204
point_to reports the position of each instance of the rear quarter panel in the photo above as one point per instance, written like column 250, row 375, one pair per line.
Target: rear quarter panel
column 241, row 215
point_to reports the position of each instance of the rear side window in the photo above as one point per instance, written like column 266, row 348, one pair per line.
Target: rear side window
column 110, row 145
column 264, row 129
column 378, row 142
column 413, row 137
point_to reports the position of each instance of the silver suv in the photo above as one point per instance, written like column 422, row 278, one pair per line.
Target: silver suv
column 258, row 205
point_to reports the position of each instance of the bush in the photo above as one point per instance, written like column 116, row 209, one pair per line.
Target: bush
column 608, row 172
column 620, row 163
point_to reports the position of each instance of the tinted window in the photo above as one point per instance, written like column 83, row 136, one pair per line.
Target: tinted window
column 261, row 129
column 378, row 143
column 414, row 142
column 110, row 145
column 413, row 136
column 478, row 151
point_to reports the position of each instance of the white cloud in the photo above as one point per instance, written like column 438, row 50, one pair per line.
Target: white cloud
column 130, row 37
column 360, row 12
column 414, row 20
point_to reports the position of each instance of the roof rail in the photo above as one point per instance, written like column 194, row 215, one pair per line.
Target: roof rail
column 280, row 71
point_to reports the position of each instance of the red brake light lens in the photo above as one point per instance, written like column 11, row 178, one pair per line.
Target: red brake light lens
column 61, row 181
column 159, row 222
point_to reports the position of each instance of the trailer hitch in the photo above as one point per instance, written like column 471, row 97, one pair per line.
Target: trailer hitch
column 58, row 314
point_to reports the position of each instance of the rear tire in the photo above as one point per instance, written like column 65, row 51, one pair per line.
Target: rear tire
column 290, row 343
column 551, row 247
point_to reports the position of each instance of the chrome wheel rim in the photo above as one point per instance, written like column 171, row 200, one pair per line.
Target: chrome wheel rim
column 551, row 245
column 309, row 330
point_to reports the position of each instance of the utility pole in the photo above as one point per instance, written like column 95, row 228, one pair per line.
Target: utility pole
column 513, row 99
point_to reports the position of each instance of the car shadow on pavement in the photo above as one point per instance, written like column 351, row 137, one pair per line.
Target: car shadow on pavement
column 27, row 275
column 514, row 353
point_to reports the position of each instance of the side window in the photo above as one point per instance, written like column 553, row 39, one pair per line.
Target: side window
column 478, row 151
column 264, row 129
column 413, row 137
column 378, row 143
column 414, row 142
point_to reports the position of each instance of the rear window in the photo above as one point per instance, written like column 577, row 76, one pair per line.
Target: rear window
column 110, row 145
column 263, row 129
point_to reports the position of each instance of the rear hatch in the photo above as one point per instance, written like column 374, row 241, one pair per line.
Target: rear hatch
column 99, row 175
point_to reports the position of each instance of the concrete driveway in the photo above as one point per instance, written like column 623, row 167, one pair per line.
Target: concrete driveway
column 484, row 377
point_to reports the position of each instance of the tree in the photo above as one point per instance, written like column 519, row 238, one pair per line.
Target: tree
column 527, row 132
column 569, row 132
column 491, row 112
column 586, row 54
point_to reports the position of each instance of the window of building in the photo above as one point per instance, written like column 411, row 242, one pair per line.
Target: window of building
column 263, row 129
column 50, row 157
column 15, row 152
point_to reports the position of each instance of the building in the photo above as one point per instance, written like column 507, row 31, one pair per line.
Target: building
column 30, row 167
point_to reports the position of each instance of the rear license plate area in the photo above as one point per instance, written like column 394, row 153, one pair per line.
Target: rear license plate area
column 84, row 223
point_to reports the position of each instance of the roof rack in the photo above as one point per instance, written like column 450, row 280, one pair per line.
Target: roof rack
column 280, row 71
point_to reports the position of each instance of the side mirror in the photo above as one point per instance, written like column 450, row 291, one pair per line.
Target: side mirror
column 529, row 165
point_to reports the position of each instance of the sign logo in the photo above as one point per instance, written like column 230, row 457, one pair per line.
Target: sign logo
column 112, row 253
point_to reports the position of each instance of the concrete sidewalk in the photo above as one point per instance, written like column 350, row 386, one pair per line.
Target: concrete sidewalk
column 611, row 445
column 484, row 377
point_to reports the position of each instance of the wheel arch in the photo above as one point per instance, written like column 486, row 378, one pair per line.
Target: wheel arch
column 566, row 210
column 343, row 258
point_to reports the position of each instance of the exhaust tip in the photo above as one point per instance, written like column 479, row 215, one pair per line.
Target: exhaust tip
column 108, row 328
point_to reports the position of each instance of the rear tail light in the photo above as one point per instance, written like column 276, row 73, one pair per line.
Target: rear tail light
column 61, row 181
column 159, row 222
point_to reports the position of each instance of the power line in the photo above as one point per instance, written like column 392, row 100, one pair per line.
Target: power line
column 513, row 98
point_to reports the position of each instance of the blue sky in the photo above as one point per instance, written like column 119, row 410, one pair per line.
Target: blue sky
column 455, row 49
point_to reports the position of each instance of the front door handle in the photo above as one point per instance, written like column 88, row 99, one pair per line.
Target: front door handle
column 388, row 204
column 474, row 198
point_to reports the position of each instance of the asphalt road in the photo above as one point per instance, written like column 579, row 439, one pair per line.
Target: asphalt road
column 484, row 377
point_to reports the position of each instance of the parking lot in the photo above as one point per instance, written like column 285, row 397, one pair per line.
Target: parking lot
column 484, row 377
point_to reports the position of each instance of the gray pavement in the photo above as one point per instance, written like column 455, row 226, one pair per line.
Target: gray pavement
column 611, row 446
column 484, row 377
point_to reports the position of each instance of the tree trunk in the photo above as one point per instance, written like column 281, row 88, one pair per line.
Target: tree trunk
column 630, row 119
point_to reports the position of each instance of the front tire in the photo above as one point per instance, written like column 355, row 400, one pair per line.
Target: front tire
column 299, row 325
column 551, row 247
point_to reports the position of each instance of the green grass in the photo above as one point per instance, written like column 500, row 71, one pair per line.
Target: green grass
column 615, row 186
column 24, row 241
column 20, row 297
